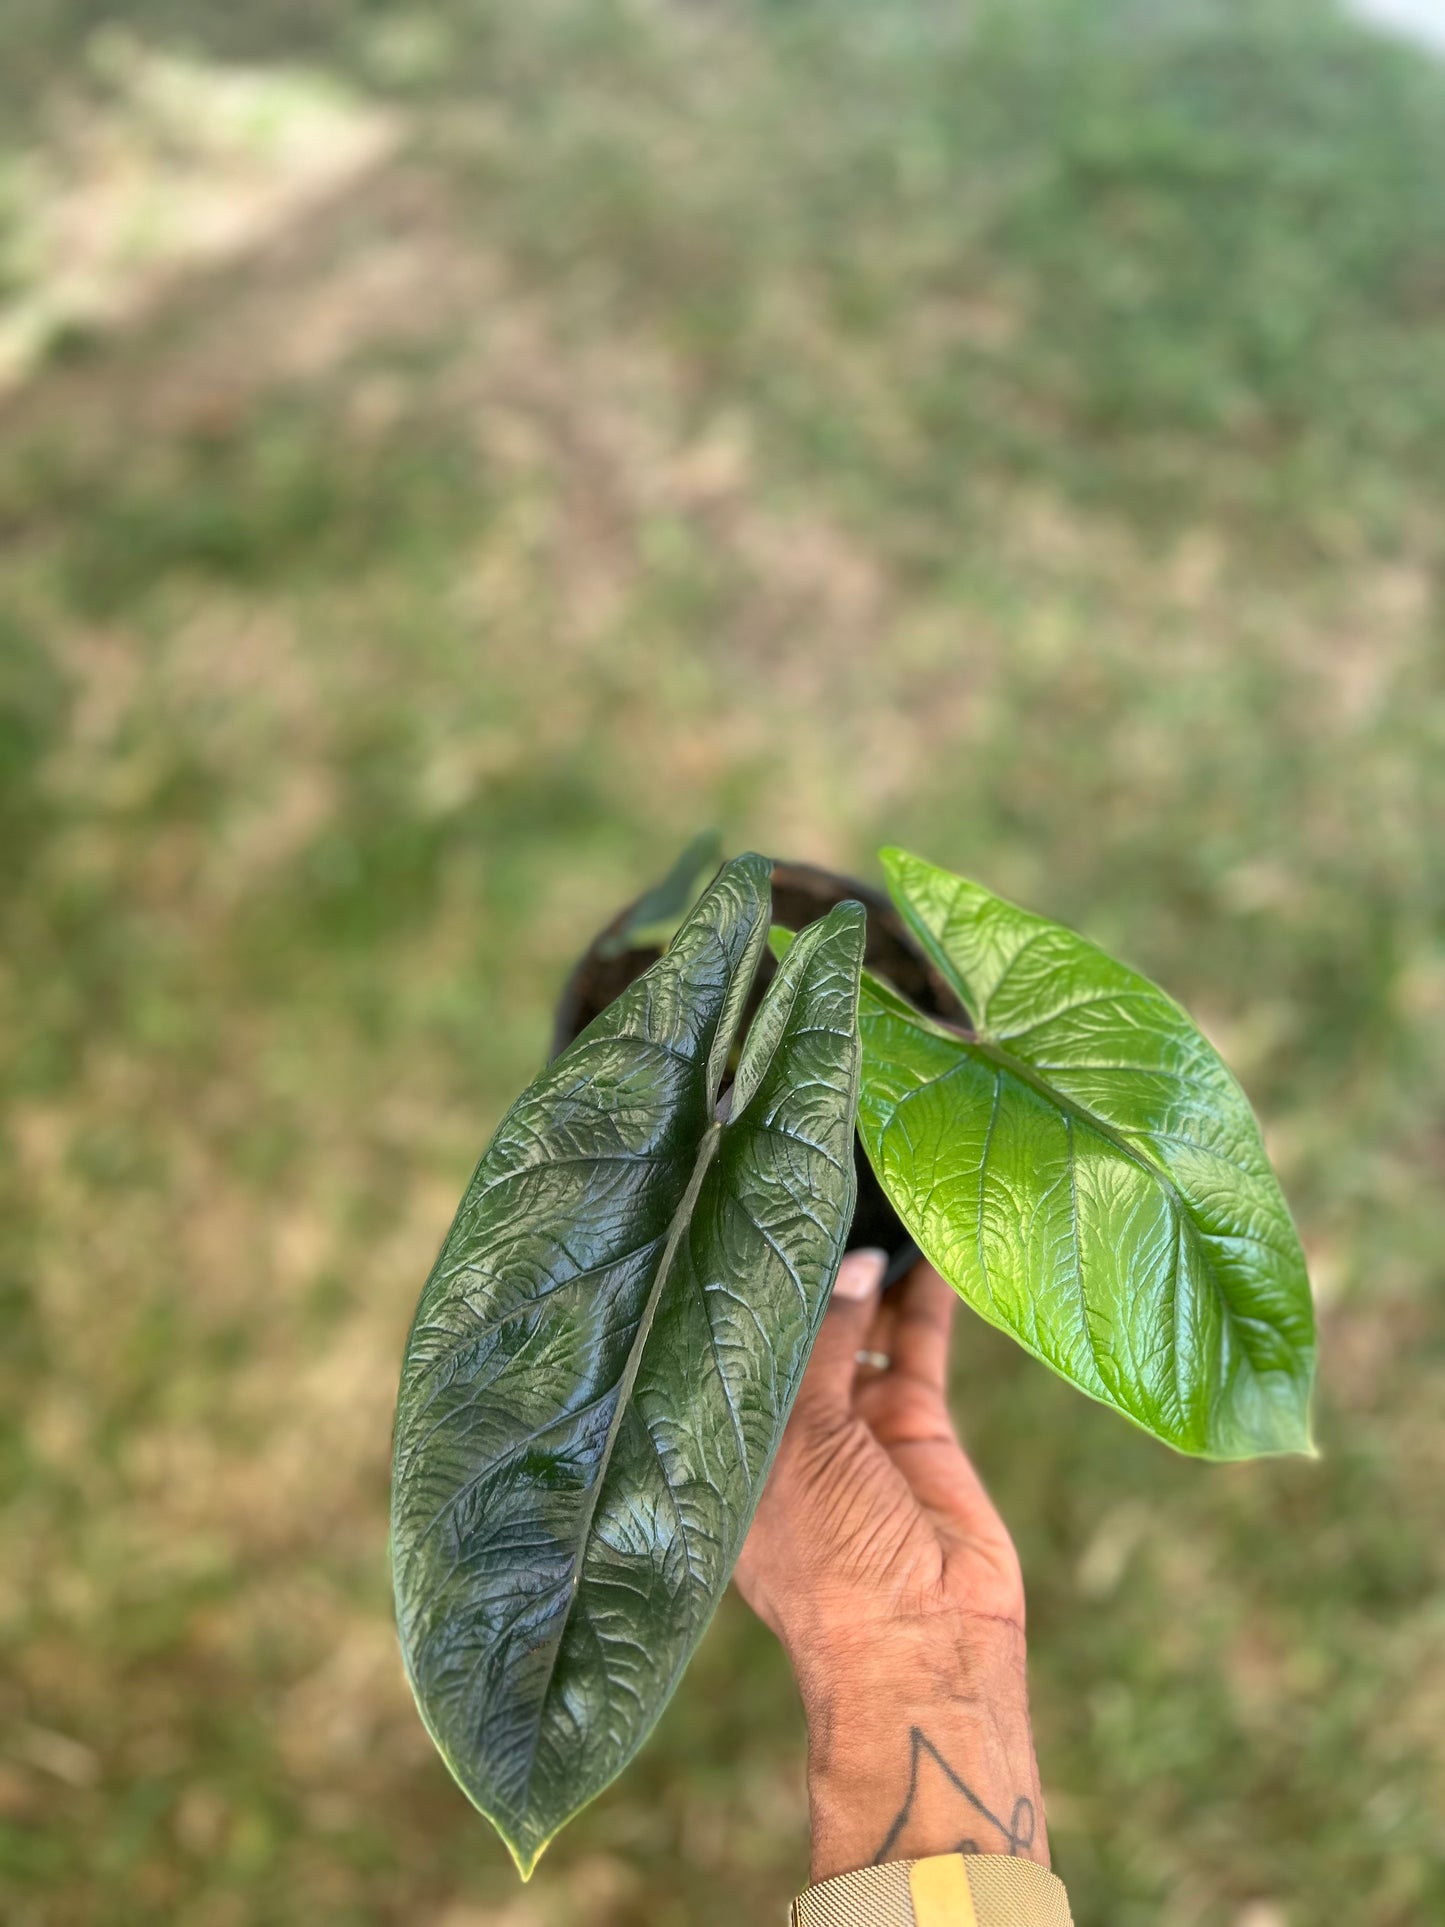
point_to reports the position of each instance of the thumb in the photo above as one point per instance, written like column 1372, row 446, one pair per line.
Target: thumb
column 827, row 1387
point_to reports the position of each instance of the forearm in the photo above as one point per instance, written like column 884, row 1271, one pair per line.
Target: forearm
column 919, row 1743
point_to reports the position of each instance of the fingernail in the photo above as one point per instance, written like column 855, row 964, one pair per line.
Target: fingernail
column 860, row 1274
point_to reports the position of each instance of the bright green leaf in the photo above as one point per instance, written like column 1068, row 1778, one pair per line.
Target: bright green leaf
column 1087, row 1173
column 603, row 1359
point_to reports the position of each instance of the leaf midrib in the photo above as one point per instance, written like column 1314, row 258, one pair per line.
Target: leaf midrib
column 681, row 1219
column 1004, row 1060
column 1017, row 1067
column 1021, row 1068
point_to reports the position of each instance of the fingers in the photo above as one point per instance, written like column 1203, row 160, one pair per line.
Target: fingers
column 827, row 1388
column 916, row 1323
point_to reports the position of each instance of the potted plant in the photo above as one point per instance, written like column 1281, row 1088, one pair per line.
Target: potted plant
column 607, row 1349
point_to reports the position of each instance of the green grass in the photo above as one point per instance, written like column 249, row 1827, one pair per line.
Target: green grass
column 1014, row 432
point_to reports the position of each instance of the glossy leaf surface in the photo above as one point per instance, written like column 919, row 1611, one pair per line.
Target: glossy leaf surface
column 603, row 1359
column 1088, row 1175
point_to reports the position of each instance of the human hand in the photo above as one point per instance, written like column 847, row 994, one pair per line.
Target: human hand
column 879, row 1561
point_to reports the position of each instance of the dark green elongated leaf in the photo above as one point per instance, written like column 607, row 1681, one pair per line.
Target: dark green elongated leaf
column 662, row 908
column 1087, row 1174
column 603, row 1359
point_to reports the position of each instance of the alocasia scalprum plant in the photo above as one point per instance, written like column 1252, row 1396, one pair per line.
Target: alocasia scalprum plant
column 606, row 1352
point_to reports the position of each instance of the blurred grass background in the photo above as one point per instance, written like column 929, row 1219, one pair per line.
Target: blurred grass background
column 1016, row 430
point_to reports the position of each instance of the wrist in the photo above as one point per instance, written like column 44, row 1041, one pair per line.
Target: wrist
column 919, row 1743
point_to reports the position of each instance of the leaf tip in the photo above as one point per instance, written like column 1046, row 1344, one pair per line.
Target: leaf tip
column 847, row 919
column 1302, row 1442
column 522, row 1860
column 1288, row 1434
column 525, row 1855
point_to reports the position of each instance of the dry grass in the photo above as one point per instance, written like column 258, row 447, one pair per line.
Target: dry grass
column 378, row 610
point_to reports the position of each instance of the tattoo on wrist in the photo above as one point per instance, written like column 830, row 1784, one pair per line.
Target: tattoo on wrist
column 1016, row 1833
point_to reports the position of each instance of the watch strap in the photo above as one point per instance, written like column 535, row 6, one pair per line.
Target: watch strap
column 944, row 1890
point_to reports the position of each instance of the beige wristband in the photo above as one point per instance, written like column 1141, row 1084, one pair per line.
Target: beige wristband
column 946, row 1890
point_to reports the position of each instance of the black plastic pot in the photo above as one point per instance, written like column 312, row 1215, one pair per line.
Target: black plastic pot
column 801, row 894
